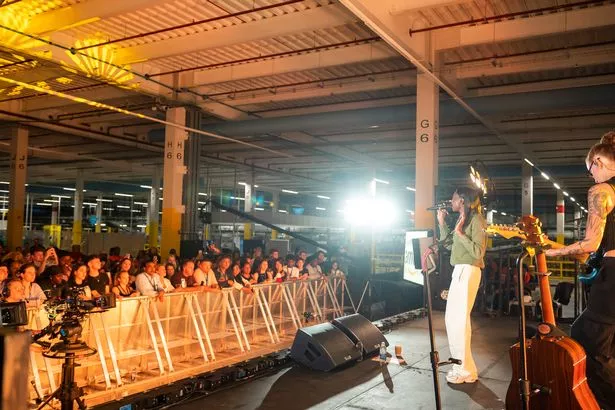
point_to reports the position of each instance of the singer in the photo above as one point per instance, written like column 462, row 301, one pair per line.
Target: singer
column 467, row 254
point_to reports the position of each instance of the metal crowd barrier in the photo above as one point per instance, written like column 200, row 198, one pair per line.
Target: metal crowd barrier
column 144, row 343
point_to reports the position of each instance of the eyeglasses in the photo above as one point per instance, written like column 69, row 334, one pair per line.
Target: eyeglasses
column 589, row 170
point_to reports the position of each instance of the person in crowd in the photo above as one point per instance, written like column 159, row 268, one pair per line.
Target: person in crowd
column 235, row 270
column 303, row 272
column 279, row 275
column 594, row 329
column 172, row 260
column 53, row 283
column 222, row 272
column 76, row 254
column 15, row 291
column 236, row 257
column 66, row 267
column 161, row 270
column 184, row 279
column 148, row 283
column 121, row 286
column 78, row 283
column 274, row 255
column 292, row 272
column 335, row 271
column 124, row 265
column 314, row 270
column 246, row 277
column 469, row 243
column 257, row 257
column 4, row 278
column 302, row 254
column 171, row 269
column 262, row 272
column 38, row 258
column 34, row 295
column 204, row 274
column 98, row 281
column 14, row 268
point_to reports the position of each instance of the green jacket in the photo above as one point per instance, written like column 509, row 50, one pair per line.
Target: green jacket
column 469, row 248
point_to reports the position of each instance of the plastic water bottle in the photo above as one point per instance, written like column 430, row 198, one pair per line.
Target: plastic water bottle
column 383, row 351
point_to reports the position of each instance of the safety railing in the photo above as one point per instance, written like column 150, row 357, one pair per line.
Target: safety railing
column 562, row 269
column 144, row 342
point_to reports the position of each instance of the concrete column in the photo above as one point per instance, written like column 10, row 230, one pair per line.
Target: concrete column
column 274, row 209
column 577, row 224
column 560, row 214
column 527, row 189
column 17, row 188
column 173, row 181
column 427, row 118
column 152, row 210
column 490, row 217
column 78, row 210
column 190, row 220
column 99, row 207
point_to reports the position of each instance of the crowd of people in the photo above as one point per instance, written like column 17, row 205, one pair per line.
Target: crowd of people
column 34, row 274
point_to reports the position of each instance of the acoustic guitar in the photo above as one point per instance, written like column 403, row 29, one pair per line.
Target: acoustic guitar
column 555, row 362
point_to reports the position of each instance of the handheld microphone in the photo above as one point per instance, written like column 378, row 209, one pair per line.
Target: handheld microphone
column 441, row 205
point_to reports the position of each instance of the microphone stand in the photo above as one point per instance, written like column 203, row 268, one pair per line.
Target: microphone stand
column 428, row 255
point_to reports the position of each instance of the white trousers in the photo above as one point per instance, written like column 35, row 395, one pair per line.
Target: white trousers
column 461, row 295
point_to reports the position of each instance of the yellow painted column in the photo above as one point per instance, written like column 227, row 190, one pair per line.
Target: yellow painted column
column 78, row 210
column 247, row 231
column 17, row 188
column 173, row 182
column 99, row 207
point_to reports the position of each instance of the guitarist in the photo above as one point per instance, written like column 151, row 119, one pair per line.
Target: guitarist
column 595, row 328
column 467, row 257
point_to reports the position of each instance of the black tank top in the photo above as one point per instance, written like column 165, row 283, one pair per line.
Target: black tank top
column 601, row 304
column 608, row 238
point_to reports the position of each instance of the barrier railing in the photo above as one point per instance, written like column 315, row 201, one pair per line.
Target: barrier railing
column 144, row 342
column 562, row 269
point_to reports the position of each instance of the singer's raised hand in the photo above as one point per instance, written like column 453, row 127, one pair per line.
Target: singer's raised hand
column 441, row 216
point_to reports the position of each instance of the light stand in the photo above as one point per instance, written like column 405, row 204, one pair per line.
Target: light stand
column 434, row 355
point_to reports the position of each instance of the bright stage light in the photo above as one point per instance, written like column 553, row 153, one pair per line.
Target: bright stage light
column 370, row 212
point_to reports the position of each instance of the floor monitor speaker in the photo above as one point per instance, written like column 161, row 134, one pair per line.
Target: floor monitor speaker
column 323, row 347
column 360, row 330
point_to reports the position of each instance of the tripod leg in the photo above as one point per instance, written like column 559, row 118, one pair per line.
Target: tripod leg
column 54, row 395
column 81, row 403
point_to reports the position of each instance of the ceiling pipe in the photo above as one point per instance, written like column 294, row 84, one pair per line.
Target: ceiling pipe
column 268, row 56
column 192, row 23
column 487, row 19
column 300, row 83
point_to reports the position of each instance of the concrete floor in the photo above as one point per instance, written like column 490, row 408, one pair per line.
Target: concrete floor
column 369, row 385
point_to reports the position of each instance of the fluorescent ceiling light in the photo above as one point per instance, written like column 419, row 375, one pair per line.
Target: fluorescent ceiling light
column 237, row 198
column 140, row 203
column 242, row 183
column 528, row 161
column 545, row 176
column 90, row 203
column 4, row 191
column 103, row 200
column 503, row 213
column 255, row 186
column 108, row 209
column 61, row 196
column 259, row 209
column 122, row 206
column 202, row 194
column 323, row 197
column 69, row 189
column 136, row 210
column 288, row 191
column 320, row 208
column 409, row 188
column 51, row 200
column 201, row 203
column 556, row 186
column 126, row 195
column 43, row 204
column 572, row 199
column 141, row 226
column 565, row 193
column 283, row 211
column 4, row 182
column 382, row 181
column 145, row 186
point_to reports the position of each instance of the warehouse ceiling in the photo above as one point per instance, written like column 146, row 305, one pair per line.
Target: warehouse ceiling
column 331, row 103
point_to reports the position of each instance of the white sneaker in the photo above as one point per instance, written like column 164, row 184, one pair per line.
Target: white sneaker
column 455, row 378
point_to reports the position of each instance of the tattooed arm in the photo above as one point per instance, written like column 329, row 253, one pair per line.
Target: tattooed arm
column 600, row 200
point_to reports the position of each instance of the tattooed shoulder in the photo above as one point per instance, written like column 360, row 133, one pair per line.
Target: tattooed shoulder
column 598, row 201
